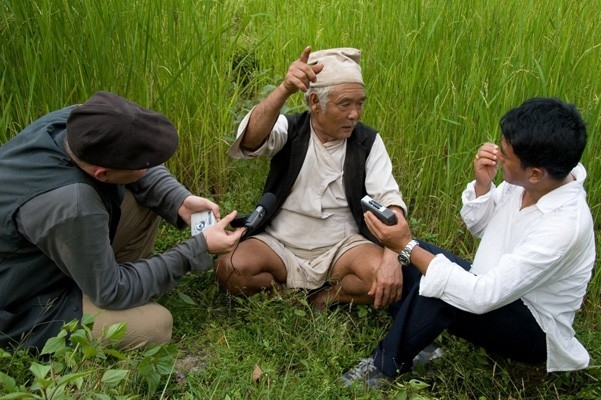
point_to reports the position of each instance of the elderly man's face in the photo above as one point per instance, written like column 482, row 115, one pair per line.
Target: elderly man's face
column 341, row 113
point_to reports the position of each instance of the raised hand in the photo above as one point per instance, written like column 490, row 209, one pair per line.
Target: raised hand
column 485, row 167
column 300, row 74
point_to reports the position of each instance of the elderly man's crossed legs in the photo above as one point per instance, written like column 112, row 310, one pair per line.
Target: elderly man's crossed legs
column 254, row 266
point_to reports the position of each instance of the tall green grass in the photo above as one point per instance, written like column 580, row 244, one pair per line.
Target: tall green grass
column 179, row 58
column 438, row 74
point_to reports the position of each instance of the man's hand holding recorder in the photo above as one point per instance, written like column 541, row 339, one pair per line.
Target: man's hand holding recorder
column 388, row 225
column 219, row 239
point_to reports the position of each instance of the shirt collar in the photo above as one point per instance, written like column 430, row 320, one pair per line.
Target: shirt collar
column 564, row 193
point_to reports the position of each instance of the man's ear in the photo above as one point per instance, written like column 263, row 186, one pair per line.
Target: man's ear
column 537, row 174
column 314, row 102
column 101, row 173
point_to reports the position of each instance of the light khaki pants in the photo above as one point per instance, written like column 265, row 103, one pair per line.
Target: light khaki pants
column 134, row 240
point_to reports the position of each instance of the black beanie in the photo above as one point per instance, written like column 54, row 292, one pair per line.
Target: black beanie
column 110, row 131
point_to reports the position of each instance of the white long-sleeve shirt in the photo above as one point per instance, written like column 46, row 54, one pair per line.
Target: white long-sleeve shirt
column 542, row 254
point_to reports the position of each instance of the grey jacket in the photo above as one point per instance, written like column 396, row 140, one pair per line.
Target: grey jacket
column 56, row 227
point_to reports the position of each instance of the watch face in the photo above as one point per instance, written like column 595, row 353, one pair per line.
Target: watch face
column 405, row 255
column 403, row 259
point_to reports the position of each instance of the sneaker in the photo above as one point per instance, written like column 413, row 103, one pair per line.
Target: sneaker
column 367, row 372
column 428, row 354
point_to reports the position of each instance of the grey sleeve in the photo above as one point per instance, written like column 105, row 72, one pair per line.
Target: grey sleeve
column 73, row 233
column 162, row 193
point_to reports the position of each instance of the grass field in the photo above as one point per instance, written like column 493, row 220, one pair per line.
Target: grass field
column 438, row 74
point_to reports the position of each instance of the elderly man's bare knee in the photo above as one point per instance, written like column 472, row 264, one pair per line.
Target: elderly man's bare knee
column 227, row 275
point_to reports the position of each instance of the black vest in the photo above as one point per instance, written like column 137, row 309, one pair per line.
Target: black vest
column 36, row 297
column 287, row 163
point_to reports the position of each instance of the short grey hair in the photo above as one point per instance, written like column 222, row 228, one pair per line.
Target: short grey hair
column 323, row 94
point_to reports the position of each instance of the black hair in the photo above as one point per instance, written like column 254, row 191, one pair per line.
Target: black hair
column 546, row 133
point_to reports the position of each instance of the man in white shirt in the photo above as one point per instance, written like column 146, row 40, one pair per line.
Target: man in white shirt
column 529, row 276
column 323, row 161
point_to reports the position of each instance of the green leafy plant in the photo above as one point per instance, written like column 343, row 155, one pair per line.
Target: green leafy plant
column 73, row 365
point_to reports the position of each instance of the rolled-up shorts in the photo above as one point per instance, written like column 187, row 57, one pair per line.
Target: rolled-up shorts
column 310, row 269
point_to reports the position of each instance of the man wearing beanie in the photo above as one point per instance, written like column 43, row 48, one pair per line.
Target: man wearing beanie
column 83, row 189
column 323, row 162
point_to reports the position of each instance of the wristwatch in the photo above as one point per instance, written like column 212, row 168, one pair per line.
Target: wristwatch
column 405, row 255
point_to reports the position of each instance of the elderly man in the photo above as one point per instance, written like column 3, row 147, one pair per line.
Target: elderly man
column 82, row 191
column 323, row 161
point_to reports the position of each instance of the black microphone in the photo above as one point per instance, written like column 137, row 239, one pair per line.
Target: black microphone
column 266, row 204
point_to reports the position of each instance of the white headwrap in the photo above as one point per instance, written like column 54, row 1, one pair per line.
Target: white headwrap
column 340, row 65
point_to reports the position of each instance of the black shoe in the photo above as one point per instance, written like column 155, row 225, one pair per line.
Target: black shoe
column 366, row 372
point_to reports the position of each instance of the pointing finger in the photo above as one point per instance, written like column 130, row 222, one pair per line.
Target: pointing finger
column 304, row 57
